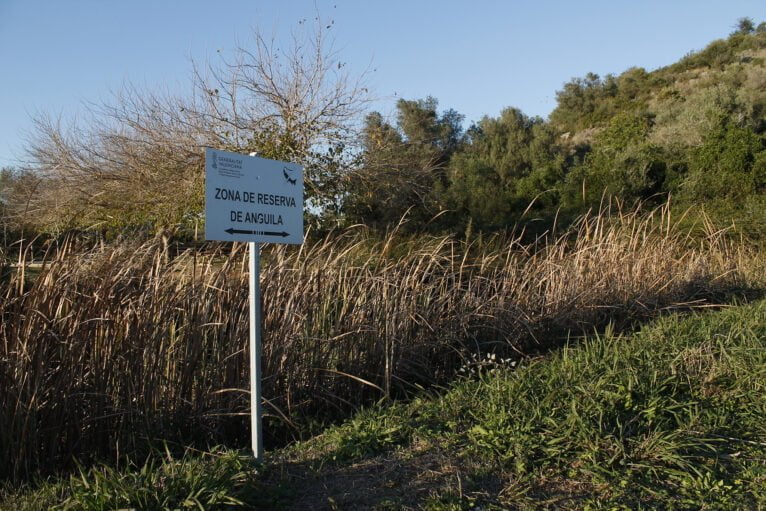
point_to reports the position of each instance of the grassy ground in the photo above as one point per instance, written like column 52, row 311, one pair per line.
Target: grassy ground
column 672, row 417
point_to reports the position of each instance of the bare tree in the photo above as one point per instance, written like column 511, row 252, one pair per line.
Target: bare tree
column 297, row 103
column 139, row 162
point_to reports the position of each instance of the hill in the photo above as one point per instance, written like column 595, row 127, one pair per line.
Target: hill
column 692, row 131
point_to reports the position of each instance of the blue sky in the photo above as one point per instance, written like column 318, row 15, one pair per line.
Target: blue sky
column 476, row 57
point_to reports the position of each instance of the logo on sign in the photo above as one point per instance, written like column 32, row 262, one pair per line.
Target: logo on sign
column 215, row 160
column 290, row 180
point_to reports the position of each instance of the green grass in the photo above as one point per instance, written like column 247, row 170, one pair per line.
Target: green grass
column 672, row 417
column 214, row 480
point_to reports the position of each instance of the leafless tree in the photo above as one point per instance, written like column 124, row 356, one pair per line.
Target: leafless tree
column 139, row 159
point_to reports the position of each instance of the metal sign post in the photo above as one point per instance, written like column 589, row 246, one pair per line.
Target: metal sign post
column 258, row 201
column 256, row 426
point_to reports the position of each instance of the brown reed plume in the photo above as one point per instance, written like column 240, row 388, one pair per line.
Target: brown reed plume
column 111, row 347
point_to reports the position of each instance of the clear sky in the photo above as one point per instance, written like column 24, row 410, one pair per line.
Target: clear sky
column 474, row 56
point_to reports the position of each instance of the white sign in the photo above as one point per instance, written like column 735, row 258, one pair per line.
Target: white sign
column 252, row 199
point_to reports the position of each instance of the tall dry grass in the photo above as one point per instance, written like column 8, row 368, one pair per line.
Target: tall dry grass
column 111, row 347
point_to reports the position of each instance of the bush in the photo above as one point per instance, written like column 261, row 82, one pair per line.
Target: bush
column 728, row 165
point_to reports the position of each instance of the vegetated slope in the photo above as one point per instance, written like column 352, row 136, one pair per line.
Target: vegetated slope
column 693, row 131
column 669, row 418
column 727, row 73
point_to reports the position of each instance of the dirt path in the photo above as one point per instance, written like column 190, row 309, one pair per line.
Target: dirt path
column 401, row 480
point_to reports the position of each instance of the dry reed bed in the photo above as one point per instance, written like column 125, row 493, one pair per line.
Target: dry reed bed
column 108, row 348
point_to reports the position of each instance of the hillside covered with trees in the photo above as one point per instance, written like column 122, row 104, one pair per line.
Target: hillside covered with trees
column 692, row 132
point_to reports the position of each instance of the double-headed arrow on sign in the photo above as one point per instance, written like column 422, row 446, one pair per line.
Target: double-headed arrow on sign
column 232, row 230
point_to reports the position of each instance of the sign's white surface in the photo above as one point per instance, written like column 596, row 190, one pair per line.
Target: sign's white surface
column 248, row 198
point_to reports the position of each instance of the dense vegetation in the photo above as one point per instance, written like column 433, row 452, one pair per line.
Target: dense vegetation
column 106, row 351
column 693, row 131
column 668, row 418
